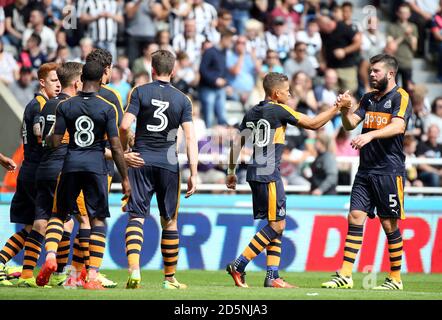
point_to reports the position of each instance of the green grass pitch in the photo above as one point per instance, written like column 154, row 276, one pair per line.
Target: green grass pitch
column 217, row 285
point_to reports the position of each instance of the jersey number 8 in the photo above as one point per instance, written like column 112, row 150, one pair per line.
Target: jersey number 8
column 84, row 137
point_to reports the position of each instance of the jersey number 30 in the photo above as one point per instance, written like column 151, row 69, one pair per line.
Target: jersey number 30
column 84, row 136
column 159, row 114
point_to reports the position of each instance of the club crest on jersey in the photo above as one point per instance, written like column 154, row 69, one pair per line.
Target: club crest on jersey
column 387, row 104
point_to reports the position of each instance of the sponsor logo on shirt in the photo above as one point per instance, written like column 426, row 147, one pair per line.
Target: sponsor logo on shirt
column 376, row 120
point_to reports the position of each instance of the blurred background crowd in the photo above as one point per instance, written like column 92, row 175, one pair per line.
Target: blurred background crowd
column 225, row 47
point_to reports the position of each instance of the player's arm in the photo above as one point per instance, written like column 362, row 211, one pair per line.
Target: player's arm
column 318, row 121
column 54, row 139
column 7, row 163
column 237, row 144
column 128, row 119
column 117, row 151
column 397, row 126
column 192, row 156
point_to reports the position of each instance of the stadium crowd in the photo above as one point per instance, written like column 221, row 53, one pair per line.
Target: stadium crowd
column 223, row 49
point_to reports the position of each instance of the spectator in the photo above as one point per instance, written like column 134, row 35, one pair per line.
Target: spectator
column 271, row 63
column 86, row 47
column 327, row 92
column 302, row 93
column 163, row 40
column 213, row 79
column 240, row 13
column 430, row 149
column 256, row 45
column 435, row 117
column 340, row 47
column 144, row 63
column 16, row 18
column 402, row 43
column 324, row 169
column 436, row 32
column 336, row 14
column 61, row 37
column 416, row 124
column 190, row 41
column 286, row 10
column 344, row 149
column 140, row 26
column 32, row 56
column 2, row 21
column 242, row 70
column 24, row 88
column 422, row 11
column 186, row 75
column 223, row 23
column 261, row 9
column 279, row 38
column 179, row 10
column 312, row 39
column 102, row 22
column 62, row 54
column 123, row 63
column 300, row 62
column 410, row 144
column 141, row 78
column 205, row 17
column 347, row 15
column 119, row 84
column 291, row 160
column 373, row 43
column 48, row 43
column 9, row 69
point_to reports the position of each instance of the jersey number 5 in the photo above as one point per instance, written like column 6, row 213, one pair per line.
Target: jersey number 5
column 159, row 114
column 84, row 136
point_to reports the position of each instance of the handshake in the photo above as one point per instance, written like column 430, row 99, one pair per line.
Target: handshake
column 344, row 101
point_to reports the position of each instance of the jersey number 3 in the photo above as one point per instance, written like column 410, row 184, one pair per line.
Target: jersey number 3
column 84, row 136
column 159, row 114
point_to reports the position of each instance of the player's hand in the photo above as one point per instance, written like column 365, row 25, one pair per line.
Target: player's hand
column 231, row 180
column 343, row 101
column 134, row 160
column 191, row 186
column 8, row 163
column 361, row 140
column 126, row 190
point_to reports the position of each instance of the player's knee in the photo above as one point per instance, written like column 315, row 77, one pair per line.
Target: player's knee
column 98, row 222
column 40, row 226
column 69, row 225
column 389, row 225
column 278, row 226
column 357, row 217
column 170, row 224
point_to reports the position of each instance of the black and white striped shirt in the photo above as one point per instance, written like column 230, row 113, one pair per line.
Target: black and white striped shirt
column 204, row 16
column 103, row 29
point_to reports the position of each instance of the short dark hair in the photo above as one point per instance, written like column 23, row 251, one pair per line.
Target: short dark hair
column 434, row 104
column 36, row 37
column 101, row 56
column 388, row 60
column 299, row 43
column 273, row 80
column 347, row 4
column 67, row 72
column 92, row 71
column 163, row 62
column 227, row 33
